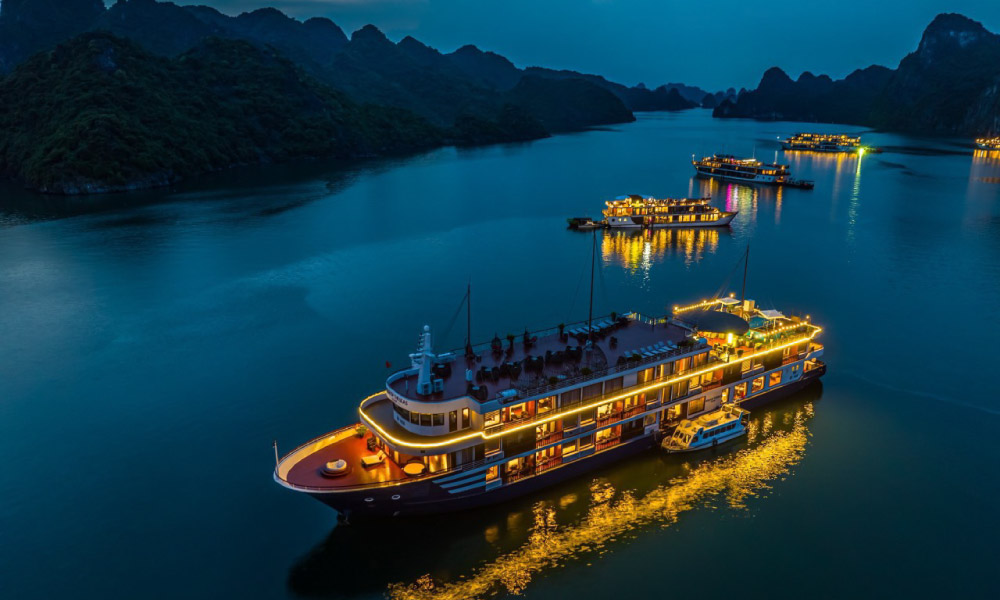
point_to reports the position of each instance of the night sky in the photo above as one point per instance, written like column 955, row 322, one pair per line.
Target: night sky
column 713, row 44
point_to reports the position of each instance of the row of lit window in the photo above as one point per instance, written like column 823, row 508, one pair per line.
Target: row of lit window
column 525, row 411
column 435, row 419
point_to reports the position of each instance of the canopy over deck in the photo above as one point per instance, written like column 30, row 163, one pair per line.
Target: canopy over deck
column 715, row 321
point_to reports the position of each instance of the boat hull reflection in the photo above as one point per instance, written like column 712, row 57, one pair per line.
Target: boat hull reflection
column 476, row 554
column 636, row 249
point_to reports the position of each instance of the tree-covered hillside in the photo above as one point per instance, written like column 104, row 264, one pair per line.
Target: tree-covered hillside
column 99, row 113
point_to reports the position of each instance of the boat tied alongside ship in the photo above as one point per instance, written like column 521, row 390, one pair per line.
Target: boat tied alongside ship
column 462, row 429
column 747, row 170
column 708, row 430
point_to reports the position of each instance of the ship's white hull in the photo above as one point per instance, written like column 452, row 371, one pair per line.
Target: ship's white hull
column 741, row 177
column 628, row 223
column 722, row 439
column 834, row 149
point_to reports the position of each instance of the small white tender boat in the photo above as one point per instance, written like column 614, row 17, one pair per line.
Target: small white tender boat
column 584, row 223
column 709, row 430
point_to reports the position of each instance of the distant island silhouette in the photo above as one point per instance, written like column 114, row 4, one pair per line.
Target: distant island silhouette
column 144, row 93
column 947, row 86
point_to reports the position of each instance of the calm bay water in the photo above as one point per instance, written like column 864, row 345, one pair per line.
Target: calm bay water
column 152, row 346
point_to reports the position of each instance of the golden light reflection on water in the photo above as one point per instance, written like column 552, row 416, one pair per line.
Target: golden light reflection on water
column 637, row 250
column 985, row 166
column 854, row 202
column 733, row 478
column 841, row 163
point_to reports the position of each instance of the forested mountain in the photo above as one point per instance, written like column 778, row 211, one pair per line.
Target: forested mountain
column 140, row 93
column 949, row 85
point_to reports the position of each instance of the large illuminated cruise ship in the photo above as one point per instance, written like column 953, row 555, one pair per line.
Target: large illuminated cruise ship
column 635, row 211
column 747, row 170
column 462, row 429
column 822, row 142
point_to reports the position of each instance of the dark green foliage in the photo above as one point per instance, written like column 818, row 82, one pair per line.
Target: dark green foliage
column 490, row 69
column 568, row 104
column 811, row 98
column 945, row 84
column 634, row 98
column 99, row 113
column 410, row 75
column 511, row 123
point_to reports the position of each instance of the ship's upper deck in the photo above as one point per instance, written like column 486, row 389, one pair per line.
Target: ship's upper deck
column 730, row 161
column 837, row 138
column 638, row 205
column 548, row 357
column 637, row 200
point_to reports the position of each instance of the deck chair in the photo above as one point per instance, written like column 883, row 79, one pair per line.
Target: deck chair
column 373, row 459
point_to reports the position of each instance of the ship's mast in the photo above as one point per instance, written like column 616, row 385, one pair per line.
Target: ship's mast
column 590, row 311
column 746, row 264
column 468, row 321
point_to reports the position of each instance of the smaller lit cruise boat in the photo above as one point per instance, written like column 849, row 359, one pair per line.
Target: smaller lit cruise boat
column 585, row 223
column 708, row 430
column 747, row 170
column 823, row 142
column 636, row 211
column 992, row 143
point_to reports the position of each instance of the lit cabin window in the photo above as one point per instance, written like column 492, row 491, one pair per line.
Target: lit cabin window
column 519, row 412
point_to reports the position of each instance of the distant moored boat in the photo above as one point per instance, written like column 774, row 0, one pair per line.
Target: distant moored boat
column 823, row 142
column 991, row 143
column 635, row 211
column 747, row 170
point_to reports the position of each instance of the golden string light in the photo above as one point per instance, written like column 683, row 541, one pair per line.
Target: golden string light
column 558, row 415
